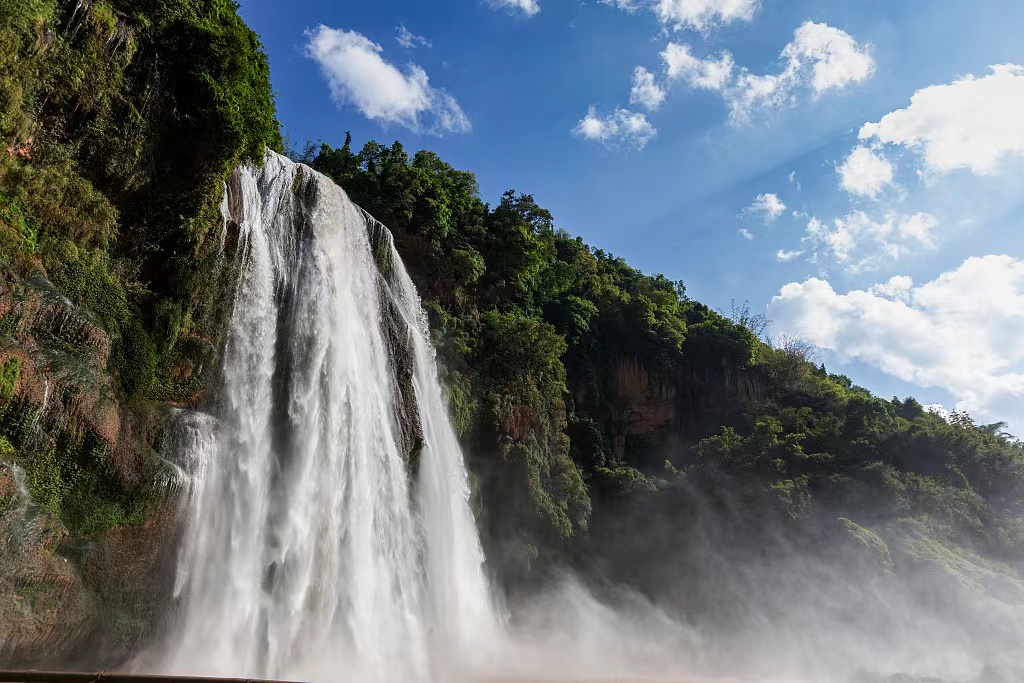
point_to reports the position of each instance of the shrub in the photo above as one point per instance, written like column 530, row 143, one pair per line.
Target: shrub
column 10, row 371
column 135, row 358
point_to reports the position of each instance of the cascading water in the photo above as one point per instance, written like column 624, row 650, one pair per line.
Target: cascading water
column 309, row 552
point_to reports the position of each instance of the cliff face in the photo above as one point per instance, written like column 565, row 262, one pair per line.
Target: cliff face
column 85, row 531
column 644, row 405
column 89, row 515
column 44, row 606
column 111, row 304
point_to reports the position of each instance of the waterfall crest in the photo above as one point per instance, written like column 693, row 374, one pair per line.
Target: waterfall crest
column 310, row 551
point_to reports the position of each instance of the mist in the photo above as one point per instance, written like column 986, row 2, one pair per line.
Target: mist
column 702, row 589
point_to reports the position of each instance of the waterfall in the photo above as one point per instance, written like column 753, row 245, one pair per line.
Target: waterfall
column 310, row 550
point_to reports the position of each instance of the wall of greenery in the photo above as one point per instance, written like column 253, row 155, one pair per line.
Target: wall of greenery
column 121, row 121
column 598, row 403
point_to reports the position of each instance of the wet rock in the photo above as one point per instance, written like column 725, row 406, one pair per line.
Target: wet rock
column 45, row 614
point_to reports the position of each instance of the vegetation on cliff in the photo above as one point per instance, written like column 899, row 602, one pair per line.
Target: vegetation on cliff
column 599, row 403
column 121, row 121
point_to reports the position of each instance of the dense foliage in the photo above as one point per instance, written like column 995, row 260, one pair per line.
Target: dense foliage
column 121, row 120
column 605, row 412
column 599, row 403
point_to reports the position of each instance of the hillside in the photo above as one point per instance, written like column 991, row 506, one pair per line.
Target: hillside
column 596, row 384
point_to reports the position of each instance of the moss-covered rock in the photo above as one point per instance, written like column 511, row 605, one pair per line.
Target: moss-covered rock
column 45, row 614
column 920, row 547
column 865, row 544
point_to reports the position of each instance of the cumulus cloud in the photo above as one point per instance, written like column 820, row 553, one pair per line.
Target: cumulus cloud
column 410, row 40
column 625, row 5
column 751, row 92
column 746, row 234
column 358, row 75
column 646, row 92
column 525, row 7
column 768, row 205
column 898, row 287
column 971, row 123
column 829, row 56
column 702, row 15
column 865, row 173
column 706, row 74
column 699, row 15
column 782, row 255
column 956, row 332
column 862, row 242
column 818, row 59
column 621, row 127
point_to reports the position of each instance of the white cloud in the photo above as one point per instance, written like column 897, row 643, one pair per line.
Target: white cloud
column 794, row 181
column 625, row 5
column 832, row 56
column 919, row 227
column 702, row 15
column 746, row 234
column 752, row 92
column 971, row 123
column 767, row 204
column 820, row 57
column 527, row 7
column 938, row 409
column 898, row 288
column 620, row 127
column 954, row 333
column 782, row 255
column 862, row 242
column 865, row 173
column 706, row 74
column 410, row 40
column 645, row 91
column 358, row 75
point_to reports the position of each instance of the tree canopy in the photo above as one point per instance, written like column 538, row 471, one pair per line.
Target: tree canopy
column 580, row 382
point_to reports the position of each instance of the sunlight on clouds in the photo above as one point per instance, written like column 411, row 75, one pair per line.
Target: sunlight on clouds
column 705, row 74
column 782, row 255
column 951, row 333
column 861, row 242
column 768, row 205
column 646, row 92
column 620, row 127
column 526, row 7
column 898, row 287
column 865, row 173
column 972, row 123
column 752, row 92
column 697, row 15
column 820, row 57
column 626, row 5
column 832, row 56
column 702, row 15
column 358, row 75
column 919, row 227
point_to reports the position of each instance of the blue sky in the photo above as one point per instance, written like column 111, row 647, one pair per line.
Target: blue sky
column 903, row 260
